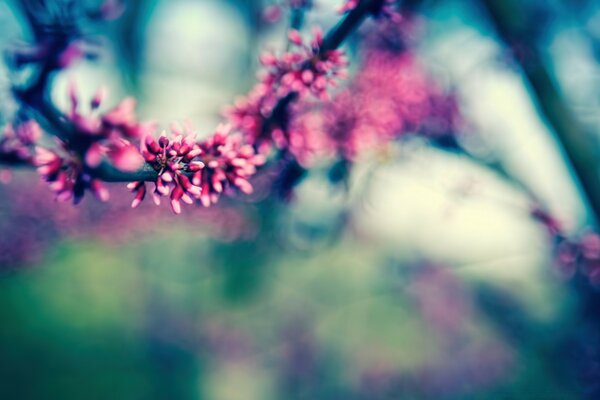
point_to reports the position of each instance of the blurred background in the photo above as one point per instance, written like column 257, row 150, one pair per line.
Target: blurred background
column 422, row 278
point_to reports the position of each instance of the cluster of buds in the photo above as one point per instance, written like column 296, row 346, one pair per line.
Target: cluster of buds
column 174, row 159
column 388, row 99
column 306, row 70
column 229, row 164
column 249, row 113
column 66, row 176
column 93, row 136
column 306, row 138
column 190, row 170
column 185, row 169
column 108, row 134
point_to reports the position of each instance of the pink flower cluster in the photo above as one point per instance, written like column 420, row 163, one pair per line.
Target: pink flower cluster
column 249, row 114
column 108, row 134
column 66, row 175
column 401, row 98
column 94, row 136
column 190, row 170
column 390, row 97
column 173, row 159
column 229, row 163
column 304, row 71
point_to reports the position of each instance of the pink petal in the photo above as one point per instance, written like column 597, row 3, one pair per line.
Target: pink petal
column 126, row 158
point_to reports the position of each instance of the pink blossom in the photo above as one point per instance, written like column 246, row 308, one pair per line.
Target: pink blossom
column 389, row 98
column 173, row 159
column 307, row 138
column 304, row 70
column 108, row 134
column 203, row 170
column 122, row 118
column 125, row 156
column 229, row 164
column 248, row 115
column 66, row 177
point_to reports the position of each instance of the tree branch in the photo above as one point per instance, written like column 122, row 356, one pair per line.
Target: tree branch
column 336, row 36
column 511, row 24
column 37, row 95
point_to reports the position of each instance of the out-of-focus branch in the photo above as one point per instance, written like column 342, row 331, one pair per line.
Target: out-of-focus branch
column 511, row 23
